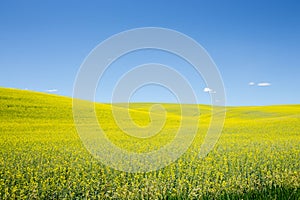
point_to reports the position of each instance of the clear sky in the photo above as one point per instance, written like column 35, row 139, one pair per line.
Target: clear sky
column 255, row 44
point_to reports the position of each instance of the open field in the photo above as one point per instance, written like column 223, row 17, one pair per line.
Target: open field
column 42, row 156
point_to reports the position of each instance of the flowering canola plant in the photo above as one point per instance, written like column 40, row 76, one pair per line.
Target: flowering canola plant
column 42, row 156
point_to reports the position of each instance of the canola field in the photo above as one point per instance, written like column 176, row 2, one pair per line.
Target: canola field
column 42, row 156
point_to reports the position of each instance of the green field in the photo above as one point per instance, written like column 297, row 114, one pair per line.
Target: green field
column 42, row 156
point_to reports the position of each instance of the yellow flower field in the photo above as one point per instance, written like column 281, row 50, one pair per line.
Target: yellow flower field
column 42, row 156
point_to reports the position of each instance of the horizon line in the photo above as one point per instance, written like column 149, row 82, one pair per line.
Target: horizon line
column 144, row 102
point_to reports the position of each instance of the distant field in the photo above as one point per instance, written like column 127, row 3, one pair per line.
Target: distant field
column 42, row 156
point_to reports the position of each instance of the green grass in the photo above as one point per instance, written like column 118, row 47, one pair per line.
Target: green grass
column 42, row 156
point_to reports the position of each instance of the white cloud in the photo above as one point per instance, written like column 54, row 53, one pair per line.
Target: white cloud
column 52, row 90
column 263, row 84
column 209, row 90
column 251, row 83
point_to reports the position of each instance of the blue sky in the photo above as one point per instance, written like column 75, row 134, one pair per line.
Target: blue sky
column 43, row 43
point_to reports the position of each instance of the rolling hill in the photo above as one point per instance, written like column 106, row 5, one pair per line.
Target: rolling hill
column 43, row 157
